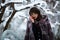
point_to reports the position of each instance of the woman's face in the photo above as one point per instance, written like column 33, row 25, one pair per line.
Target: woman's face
column 34, row 15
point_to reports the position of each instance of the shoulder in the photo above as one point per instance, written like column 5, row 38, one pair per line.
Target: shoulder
column 29, row 23
column 44, row 19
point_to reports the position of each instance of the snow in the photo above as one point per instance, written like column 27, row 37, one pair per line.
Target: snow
column 6, row 39
column 18, row 25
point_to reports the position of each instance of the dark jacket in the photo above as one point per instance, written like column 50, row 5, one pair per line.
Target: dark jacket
column 44, row 26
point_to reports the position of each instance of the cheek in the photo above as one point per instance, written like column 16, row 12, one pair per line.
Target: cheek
column 36, row 16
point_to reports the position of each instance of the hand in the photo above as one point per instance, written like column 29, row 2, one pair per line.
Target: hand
column 31, row 19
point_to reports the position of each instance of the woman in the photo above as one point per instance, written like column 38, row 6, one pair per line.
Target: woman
column 38, row 26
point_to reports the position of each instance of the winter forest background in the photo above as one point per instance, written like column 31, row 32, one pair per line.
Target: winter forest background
column 14, row 16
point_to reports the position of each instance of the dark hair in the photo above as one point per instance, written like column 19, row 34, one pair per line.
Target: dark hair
column 36, row 11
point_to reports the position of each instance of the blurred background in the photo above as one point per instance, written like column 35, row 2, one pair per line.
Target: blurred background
column 14, row 15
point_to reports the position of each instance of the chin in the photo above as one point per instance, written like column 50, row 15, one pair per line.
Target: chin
column 35, row 19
